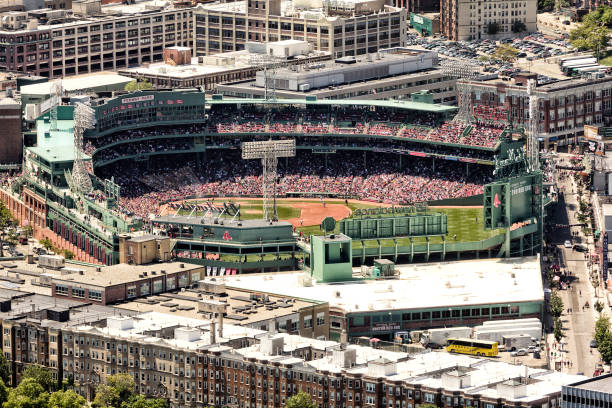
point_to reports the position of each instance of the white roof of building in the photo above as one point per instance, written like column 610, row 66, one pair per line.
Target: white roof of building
column 152, row 321
column 78, row 83
column 419, row 286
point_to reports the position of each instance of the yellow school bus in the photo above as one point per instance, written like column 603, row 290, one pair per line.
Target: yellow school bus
column 473, row 347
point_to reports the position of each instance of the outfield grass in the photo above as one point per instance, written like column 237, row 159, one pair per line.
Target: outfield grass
column 465, row 223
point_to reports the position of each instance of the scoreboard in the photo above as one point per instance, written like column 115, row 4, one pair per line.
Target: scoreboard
column 512, row 200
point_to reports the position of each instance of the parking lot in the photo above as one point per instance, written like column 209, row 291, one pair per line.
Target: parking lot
column 532, row 48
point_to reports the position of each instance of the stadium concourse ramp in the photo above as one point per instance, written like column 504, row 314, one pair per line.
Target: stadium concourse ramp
column 406, row 250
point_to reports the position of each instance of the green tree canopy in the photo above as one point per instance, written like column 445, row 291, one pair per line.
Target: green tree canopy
column 546, row 5
column 593, row 34
column 556, row 304
column 66, row 399
column 5, row 370
column 28, row 394
column 141, row 402
column 136, row 85
column 300, row 400
column 506, row 53
column 41, row 375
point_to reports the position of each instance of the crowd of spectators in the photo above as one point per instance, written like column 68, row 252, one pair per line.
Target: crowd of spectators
column 378, row 179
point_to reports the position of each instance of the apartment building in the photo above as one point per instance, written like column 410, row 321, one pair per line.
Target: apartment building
column 475, row 19
column 356, row 28
column 121, row 35
column 564, row 106
column 203, row 362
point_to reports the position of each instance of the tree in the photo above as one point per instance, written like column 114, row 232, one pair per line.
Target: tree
column 46, row 243
column 546, row 5
column 141, row 402
column 137, row 85
column 518, row 26
column 5, row 370
column 605, row 348
column 602, row 16
column 66, row 399
column 590, row 36
column 68, row 254
column 598, row 306
column 558, row 330
column 556, row 304
column 492, row 28
column 4, row 391
column 300, row 400
column 106, row 396
column 28, row 230
column 602, row 328
column 506, row 53
column 118, row 388
column 28, row 394
column 41, row 375
column 6, row 220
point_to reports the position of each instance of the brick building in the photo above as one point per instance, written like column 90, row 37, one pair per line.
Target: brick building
column 565, row 106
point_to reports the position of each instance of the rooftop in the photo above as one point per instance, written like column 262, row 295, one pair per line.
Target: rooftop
column 142, row 327
column 598, row 384
column 398, row 104
column 108, row 275
column 433, row 285
column 98, row 82
column 185, row 304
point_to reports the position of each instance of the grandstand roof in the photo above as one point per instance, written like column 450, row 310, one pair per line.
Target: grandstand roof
column 191, row 220
column 418, row 106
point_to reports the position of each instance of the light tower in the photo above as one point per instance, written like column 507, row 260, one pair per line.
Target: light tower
column 269, row 65
column 269, row 152
column 466, row 71
column 533, row 146
column 84, row 118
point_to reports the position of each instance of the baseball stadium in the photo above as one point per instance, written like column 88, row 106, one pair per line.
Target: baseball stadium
column 402, row 180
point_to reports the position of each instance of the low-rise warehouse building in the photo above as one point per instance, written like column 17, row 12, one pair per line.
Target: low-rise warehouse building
column 421, row 296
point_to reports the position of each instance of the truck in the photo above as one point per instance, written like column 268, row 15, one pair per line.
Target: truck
column 497, row 335
column 517, row 342
column 435, row 338
column 51, row 261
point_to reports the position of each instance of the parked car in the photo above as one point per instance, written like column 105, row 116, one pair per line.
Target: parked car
column 519, row 352
column 593, row 344
column 532, row 349
column 567, row 244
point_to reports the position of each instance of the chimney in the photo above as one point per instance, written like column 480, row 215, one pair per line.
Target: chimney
column 343, row 339
column 213, row 338
column 33, row 305
column 220, row 319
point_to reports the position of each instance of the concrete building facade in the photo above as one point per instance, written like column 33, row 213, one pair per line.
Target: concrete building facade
column 96, row 44
column 228, row 26
column 472, row 19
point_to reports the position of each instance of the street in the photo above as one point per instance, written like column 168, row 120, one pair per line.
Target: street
column 579, row 324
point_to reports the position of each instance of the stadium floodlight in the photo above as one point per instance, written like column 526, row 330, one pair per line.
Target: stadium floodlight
column 269, row 152
column 269, row 64
column 84, row 118
column 533, row 145
column 464, row 73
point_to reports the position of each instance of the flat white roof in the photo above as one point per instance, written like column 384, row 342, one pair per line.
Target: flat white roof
column 77, row 83
column 419, row 286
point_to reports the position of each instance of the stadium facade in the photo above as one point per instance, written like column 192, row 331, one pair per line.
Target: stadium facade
column 145, row 128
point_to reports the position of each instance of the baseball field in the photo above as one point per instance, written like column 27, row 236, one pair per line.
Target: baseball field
column 464, row 223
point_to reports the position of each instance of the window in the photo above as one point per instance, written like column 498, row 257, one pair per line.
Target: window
column 78, row 292
column 320, row 318
column 95, row 295
column 131, row 291
column 61, row 290
column 307, row 321
column 428, row 397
